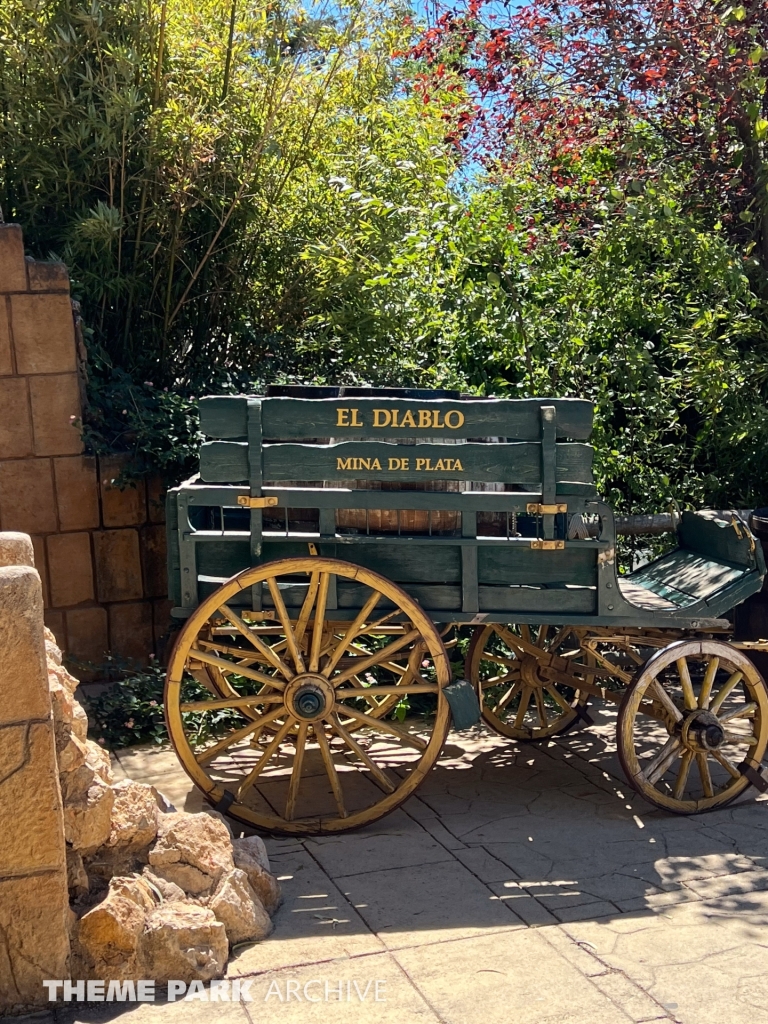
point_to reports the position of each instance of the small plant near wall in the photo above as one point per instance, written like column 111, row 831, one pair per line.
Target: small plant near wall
column 131, row 710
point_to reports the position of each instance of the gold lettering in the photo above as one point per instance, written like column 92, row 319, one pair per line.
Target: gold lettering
column 404, row 463
column 375, row 464
column 441, row 466
column 344, row 464
column 381, row 417
column 457, row 465
column 425, row 418
column 394, row 418
column 408, row 420
column 459, row 419
column 342, row 417
column 356, row 421
column 436, row 420
column 393, row 464
column 420, row 463
column 429, row 466
column 364, row 463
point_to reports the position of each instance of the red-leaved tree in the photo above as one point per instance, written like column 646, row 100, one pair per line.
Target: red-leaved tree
column 649, row 81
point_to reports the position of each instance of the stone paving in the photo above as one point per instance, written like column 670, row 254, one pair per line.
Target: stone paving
column 522, row 885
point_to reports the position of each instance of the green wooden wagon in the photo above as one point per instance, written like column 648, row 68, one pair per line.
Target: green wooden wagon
column 333, row 554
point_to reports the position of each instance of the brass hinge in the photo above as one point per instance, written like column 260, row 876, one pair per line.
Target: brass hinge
column 243, row 499
column 535, row 509
column 547, row 545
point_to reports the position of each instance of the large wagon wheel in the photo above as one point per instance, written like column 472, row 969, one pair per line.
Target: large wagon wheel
column 290, row 681
column 527, row 679
column 690, row 725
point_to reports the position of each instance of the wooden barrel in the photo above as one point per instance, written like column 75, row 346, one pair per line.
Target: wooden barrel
column 410, row 521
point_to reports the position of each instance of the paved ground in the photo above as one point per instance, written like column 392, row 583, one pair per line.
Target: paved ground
column 523, row 885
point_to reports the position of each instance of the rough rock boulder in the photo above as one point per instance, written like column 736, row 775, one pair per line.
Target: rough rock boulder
column 192, row 850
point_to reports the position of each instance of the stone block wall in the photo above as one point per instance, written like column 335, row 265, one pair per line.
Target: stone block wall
column 34, row 902
column 100, row 551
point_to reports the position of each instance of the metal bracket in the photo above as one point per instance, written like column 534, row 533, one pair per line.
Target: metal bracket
column 537, row 509
column 547, row 545
column 227, row 799
column 312, row 549
column 247, row 502
column 756, row 777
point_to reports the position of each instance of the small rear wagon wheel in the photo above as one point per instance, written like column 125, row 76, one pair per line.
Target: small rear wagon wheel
column 527, row 677
column 693, row 719
column 291, row 730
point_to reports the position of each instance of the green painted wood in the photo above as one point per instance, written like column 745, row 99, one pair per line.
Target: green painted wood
column 523, row 565
column 713, row 537
column 224, row 462
column 684, row 574
column 284, row 418
column 517, row 463
column 530, row 600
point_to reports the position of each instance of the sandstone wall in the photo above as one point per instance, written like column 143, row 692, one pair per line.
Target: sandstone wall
column 34, row 902
column 100, row 551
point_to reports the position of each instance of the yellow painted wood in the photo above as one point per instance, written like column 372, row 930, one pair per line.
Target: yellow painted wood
column 313, row 633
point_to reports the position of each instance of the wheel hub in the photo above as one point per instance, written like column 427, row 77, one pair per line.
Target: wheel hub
column 309, row 697
column 702, row 731
column 530, row 672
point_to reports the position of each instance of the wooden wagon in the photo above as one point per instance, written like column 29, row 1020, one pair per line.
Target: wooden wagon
column 441, row 548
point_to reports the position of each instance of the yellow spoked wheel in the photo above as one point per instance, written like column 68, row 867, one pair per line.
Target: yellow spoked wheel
column 527, row 679
column 693, row 726
column 293, row 725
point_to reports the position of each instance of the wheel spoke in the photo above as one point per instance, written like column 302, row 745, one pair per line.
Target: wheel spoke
column 742, row 712
column 729, row 766
column 330, row 769
column 509, row 662
column 234, row 737
column 355, row 747
column 558, row 698
column 385, row 691
column 306, row 608
column 685, row 682
column 541, row 636
column 666, row 701
column 231, row 702
column 659, row 764
column 525, row 632
column 238, row 670
column 269, row 750
column 706, row 686
column 727, row 686
column 682, row 775
column 381, row 726
column 374, row 659
column 285, row 622
column 559, row 638
column 298, row 763
column 248, row 657
column 319, row 623
column 507, row 698
column 542, row 711
column 741, row 738
column 706, row 778
column 523, row 707
column 352, row 632
column 257, row 642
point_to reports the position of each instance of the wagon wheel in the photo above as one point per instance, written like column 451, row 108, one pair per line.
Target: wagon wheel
column 274, row 751
column 527, row 679
column 693, row 720
column 217, row 636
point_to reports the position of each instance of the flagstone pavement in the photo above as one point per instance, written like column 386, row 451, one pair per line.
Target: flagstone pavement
column 521, row 885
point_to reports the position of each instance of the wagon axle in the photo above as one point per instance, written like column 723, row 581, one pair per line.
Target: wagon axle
column 701, row 731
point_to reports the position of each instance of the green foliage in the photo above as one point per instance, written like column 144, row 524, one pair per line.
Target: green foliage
column 131, row 710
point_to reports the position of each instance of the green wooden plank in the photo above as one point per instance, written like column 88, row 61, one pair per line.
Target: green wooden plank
column 713, row 537
column 685, row 572
column 224, row 462
column 285, row 418
column 524, row 565
column 517, row 463
column 530, row 599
